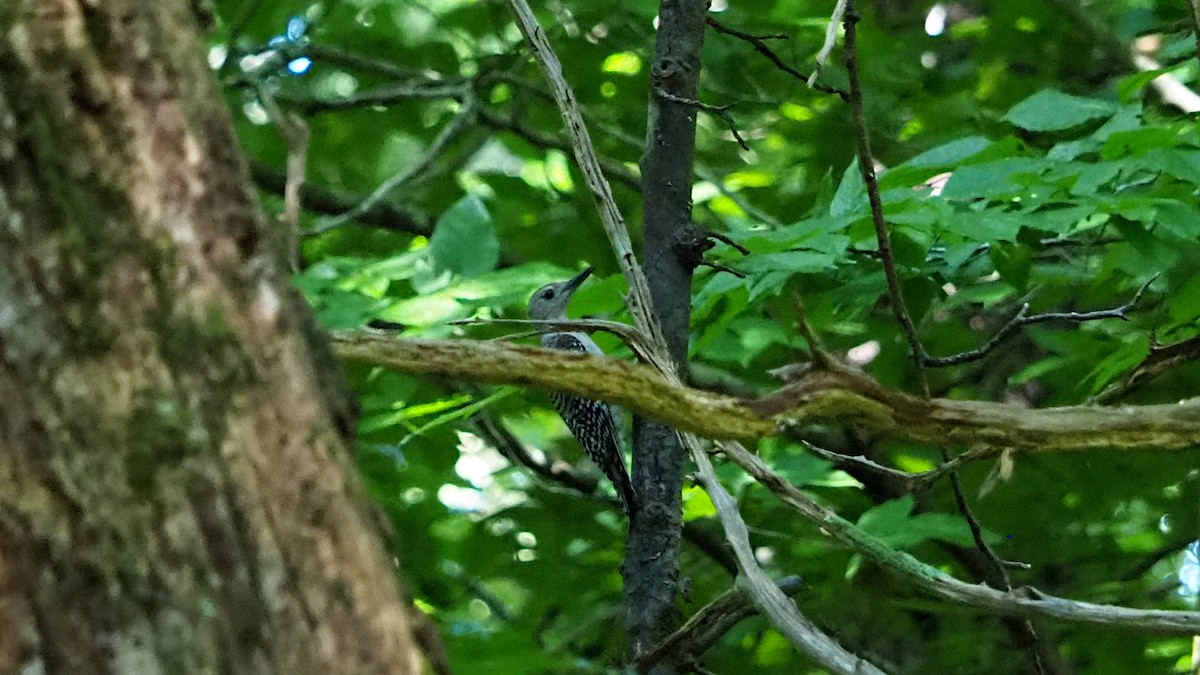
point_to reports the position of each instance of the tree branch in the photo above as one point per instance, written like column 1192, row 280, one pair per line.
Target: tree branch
column 1160, row 359
column 704, row 628
column 838, row 394
column 721, row 111
column 420, row 89
column 611, row 168
column 437, row 148
column 751, row 580
column 1023, row 602
column 1021, row 319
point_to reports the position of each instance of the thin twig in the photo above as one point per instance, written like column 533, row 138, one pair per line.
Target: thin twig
column 497, row 434
column 361, row 62
column 1021, row 319
column 999, row 566
column 1157, row 555
column 721, row 268
column 748, row 37
column 611, row 168
column 866, row 166
column 912, row 481
column 757, row 41
column 821, row 357
column 383, row 215
column 830, row 39
column 724, row 238
column 721, row 111
column 860, row 461
column 562, row 474
column 383, row 95
column 760, row 46
column 746, row 207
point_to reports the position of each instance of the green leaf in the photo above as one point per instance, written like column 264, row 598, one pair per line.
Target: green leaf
column 851, row 193
column 1131, row 85
column 983, row 226
column 894, row 523
column 697, row 504
column 993, row 179
column 1137, row 141
column 789, row 261
column 1184, row 304
column 1180, row 218
column 1052, row 110
column 951, row 153
column 344, row 310
column 464, row 239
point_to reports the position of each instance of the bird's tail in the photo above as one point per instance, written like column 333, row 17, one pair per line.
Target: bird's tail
column 620, row 480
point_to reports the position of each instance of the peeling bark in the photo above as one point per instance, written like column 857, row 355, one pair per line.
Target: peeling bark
column 175, row 489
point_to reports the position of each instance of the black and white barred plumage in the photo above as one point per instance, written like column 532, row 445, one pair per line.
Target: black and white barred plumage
column 595, row 424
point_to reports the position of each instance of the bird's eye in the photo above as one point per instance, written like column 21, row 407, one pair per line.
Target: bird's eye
column 547, row 294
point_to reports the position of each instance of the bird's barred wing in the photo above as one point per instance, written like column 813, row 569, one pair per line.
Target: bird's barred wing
column 594, row 424
column 571, row 342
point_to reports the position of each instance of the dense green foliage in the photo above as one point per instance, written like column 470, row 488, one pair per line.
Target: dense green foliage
column 1071, row 185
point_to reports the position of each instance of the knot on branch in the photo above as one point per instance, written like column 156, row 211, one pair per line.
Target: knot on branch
column 690, row 244
column 665, row 68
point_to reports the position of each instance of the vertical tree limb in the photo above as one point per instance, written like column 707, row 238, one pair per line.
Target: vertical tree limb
column 651, row 572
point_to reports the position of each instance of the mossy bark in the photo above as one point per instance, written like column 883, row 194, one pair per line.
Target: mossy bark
column 176, row 493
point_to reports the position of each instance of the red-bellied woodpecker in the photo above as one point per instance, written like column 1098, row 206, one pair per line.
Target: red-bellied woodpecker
column 596, row 424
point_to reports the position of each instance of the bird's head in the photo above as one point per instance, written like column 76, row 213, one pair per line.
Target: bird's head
column 549, row 303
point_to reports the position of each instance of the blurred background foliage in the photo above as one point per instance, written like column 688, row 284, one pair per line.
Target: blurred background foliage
column 1071, row 183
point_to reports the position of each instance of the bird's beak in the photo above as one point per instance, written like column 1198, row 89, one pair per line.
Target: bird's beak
column 577, row 281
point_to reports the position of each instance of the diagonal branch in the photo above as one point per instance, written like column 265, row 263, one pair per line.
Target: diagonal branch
column 1161, row 359
column 721, row 111
column 611, row 167
column 705, row 539
column 759, row 42
column 751, row 580
column 384, row 215
column 709, row 624
column 831, row 30
column 1023, row 602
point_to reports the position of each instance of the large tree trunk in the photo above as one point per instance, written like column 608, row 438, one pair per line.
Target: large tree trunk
column 175, row 489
